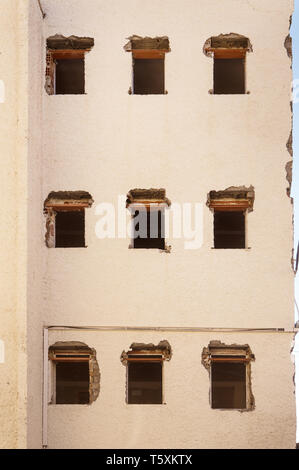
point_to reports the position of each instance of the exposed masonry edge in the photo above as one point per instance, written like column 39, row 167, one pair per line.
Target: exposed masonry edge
column 289, row 166
column 162, row 348
column 138, row 42
column 226, row 41
column 289, row 176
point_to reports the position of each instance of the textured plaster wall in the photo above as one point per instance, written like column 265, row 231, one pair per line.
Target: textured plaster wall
column 35, row 224
column 189, row 142
column 13, row 234
column 185, row 420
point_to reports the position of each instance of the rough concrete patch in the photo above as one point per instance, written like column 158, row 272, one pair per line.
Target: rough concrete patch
column 95, row 377
column 50, row 229
column 139, row 195
column 68, row 198
column 60, row 42
column 226, row 41
column 70, row 346
column 162, row 348
column 66, row 195
column 138, row 42
column 290, row 143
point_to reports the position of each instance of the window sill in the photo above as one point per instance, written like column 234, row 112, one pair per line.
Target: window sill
column 243, row 249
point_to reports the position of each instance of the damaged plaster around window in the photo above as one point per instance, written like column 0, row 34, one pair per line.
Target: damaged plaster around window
column 233, row 196
column 61, row 47
column 289, row 164
column 217, row 348
column 74, row 348
column 229, row 54
column 148, row 64
column 163, row 348
column 146, row 43
column 150, row 200
column 60, row 42
column 62, row 201
column 226, row 41
column 147, row 196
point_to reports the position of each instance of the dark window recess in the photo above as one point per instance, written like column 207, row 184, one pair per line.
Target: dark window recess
column 72, row 383
column 149, row 230
column 228, row 385
column 148, row 76
column 70, row 77
column 145, row 382
column 229, row 229
column 229, row 76
column 70, row 229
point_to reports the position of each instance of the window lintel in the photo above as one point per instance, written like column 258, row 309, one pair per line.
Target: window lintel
column 147, row 352
column 232, row 199
column 147, row 197
column 67, row 201
column 138, row 43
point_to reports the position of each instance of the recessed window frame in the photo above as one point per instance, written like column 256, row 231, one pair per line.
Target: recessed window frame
column 150, row 209
column 144, row 358
column 244, row 212
column 147, row 55
column 228, row 360
column 68, row 55
column 225, row 55
column 78, row 211
column 68, row 357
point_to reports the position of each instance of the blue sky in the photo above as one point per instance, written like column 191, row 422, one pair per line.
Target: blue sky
column 295, row 184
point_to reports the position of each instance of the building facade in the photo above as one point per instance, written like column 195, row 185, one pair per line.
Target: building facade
column 116, row 112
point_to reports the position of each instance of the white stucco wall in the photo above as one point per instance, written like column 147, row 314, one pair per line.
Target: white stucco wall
column 13, row 234
column 186, row 419
column 188, row 142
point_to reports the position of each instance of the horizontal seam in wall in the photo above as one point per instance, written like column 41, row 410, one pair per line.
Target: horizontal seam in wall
column 170, row 329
